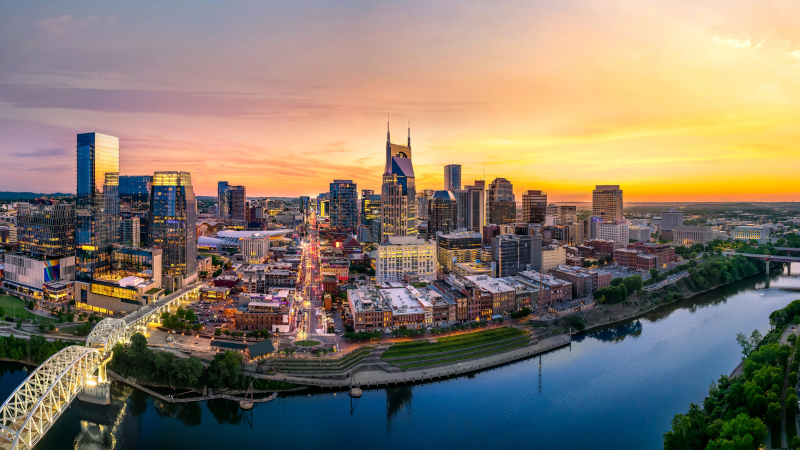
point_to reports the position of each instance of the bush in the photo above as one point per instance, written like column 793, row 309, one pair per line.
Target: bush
column 524, row 312
column 363, row 336
column 577, row 322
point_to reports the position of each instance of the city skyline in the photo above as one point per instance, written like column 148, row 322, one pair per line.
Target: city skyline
column 559, row 98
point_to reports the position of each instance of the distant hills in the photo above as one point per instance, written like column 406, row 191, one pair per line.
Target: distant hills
column 6, row 195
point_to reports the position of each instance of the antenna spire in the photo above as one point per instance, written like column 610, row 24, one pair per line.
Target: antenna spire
column 409, row 134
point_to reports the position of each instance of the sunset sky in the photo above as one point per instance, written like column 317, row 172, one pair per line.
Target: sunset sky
column 673, row 100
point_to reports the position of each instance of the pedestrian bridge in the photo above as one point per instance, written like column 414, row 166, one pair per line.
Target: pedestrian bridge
column 38, row 402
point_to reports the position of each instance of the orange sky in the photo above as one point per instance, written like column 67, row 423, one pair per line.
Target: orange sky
column 678, row 101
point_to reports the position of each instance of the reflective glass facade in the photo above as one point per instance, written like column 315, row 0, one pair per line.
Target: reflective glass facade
column 47, row 230
column 134, row 201
column 97, row 203
column 344, row 205
column 173, row 217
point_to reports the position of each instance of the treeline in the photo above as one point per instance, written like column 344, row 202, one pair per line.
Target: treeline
column 36, row 350
column 714, row 273
column 164, row 368
column 737, row 410
column 619, row 290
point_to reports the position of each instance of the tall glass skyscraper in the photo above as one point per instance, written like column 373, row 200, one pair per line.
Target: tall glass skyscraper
column 134, row 201
column 97, row 204
column 173, row 217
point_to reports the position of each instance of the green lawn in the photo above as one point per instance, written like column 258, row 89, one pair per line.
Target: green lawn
column 307, row 343
column 8, row 303
column 458, row 358
column 446, row 344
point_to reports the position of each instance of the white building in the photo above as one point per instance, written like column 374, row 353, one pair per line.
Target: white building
column 30, row 274
column 747, row 233
column 553, row 256
column 692, row 235
column 639, row 234
column 255, row 248
column 403, row 254
column 617, row 232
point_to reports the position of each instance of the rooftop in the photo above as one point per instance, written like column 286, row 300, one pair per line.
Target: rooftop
column 489, row 284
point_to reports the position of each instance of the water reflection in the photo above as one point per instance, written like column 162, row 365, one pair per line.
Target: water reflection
column 397, row 398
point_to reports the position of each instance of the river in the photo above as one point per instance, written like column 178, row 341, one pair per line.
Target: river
column 617, row 387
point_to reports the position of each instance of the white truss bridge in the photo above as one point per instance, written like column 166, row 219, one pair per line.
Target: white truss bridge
column 38, row 402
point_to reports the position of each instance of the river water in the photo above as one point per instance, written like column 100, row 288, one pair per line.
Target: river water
column 618, row 388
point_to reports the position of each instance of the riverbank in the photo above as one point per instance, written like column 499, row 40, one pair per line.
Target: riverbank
column 602, row 316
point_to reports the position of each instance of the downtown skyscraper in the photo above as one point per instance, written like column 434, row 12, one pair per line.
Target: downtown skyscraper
column 399, row 215
column 452, row 177
column 173, row 217
column 97, row 202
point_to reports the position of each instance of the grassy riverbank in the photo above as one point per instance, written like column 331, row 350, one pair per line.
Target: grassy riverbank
column 445, row 344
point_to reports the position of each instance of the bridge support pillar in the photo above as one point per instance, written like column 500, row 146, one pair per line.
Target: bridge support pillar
column 99, row 394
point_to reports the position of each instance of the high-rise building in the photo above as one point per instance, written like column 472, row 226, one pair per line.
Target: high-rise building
column 370, row 207
column 513, row 254
column 568, row 214
column 46, row 231
column 462, row 207
column 344, row 205
column 393, row 208
column 671, row 219
column 452, row 177
column 501, row 207
column 232, row 204
column 134, row 200
column 400, row 170
column 97, row 202
column 130, row 232
column 607, row 202
column 173, row 217
column 534, row 206
column 476, row 206
column 441, row 213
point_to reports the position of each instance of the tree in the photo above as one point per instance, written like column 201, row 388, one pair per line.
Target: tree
column 217, row 332
column 138, row 343
column 688, row 430
column 755, row 339
column 773, row 415
column 225, row 369
column 693, row 255
column 190, row 316
column 742, row 432
column 633, row 283
column 791, row 400
column 587, row 264
column 51, row 327
column 188, row 372
column 654, row 274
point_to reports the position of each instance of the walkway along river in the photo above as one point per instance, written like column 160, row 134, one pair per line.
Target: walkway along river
column 616, row 387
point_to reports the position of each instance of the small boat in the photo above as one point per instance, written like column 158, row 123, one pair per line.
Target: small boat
column 247, row 404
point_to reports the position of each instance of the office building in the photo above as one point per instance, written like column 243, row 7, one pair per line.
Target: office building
column 501, row 207
column 664, row 253
column 344, row 205
column 618, row 232
column 671, row 220
column 97, row 202
column 452, row 177
column 46, row 231
column 394, row 205
column 581, row 282
column 370, row 207
column 462, row 207
column 130, row 232
column 567, row 214
column 173, row 217
column 692, row 235
column 603, row 248
column 476, row 206
column 441, row 213
column 458, row 247
column 512, row 254
column 639, row 234
column 534, row 206
column 751, row 233
column 553, row 256
column 407, row 254
column 607, row 202
column 134, row 200
column 31, row 275
column 232, row 204
column 400, row 170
